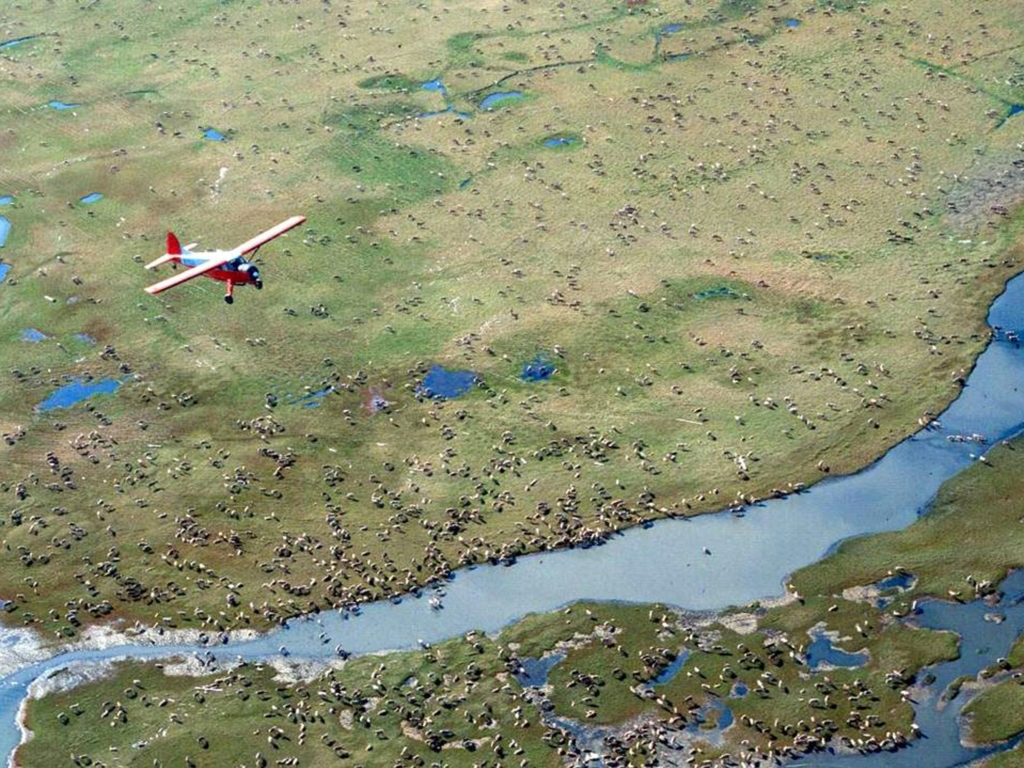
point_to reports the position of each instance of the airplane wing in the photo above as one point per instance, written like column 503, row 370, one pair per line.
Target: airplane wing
column 212, row 263
column 251, row 245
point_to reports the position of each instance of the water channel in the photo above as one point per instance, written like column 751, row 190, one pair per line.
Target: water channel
column 666, row 561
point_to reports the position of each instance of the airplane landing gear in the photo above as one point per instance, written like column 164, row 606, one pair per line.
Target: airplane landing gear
column 229, row 299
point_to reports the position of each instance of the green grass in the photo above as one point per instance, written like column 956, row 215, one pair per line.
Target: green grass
column 995, row 714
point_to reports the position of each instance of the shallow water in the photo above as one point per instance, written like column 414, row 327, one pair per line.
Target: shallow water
column 442, row 383
column 92, row 197
column 77, row 391
column 214, row 135
column 5, row 229
column 499, row 99
column 434, row 85
column 821, row 651
column 61, row 106
column 665, row 562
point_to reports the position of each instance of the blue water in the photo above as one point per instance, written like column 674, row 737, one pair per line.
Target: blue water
column 6, row 199
column 442, row 383
column 61, row 105
column 664, row 562
column 434, row 85
column 214, row 135
column 5, row 229
column 1015, row 109
column 671, row 29
column 668, row 673
column 533, row 673
column 792, row 22
column 4, row 269
column 896, row 581
column 92, row 197
column 17, row 41
column 538, row 369
column 85, row 337
column 739, row 691
column 561, row 141
column 495, row 100
column 465, row 183
column 821, row 651
column 77, row 391
column 31, row 334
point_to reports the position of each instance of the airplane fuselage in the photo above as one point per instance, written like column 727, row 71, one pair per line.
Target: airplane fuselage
column 238, row 271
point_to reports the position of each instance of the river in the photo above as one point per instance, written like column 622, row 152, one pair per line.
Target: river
column 667, row 561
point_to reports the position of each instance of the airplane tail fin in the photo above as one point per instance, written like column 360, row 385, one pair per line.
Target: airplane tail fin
column 173, row 252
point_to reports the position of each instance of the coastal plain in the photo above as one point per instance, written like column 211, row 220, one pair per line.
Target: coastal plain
column 744, row 245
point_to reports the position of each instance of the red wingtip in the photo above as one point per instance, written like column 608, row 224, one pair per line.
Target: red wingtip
column 173, row 246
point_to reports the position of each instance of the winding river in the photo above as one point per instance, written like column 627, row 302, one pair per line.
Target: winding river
column 668, row 561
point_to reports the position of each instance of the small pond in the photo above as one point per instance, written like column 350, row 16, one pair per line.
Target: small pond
column 821, row 651
column 500, row 99
column 76, row 391
column 444, row 384
column 538, row 369
column 434, row 85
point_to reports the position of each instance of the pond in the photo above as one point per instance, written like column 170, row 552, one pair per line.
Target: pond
column 61, row 106
column 445, row 384
column 92, row 197
column 821, row 651
column 213, row 134
column 500, row 99
column 434, row 85
column 561, row 141
column 76, row 391
column 538, row 369
column 5, row 229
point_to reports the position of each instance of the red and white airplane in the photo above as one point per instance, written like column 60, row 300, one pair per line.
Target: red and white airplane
column 229, row 267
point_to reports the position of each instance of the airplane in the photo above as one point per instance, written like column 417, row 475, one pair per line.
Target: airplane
column 229, row 267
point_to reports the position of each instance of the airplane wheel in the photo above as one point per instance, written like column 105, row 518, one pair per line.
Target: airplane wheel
column 259, row 285
column 229, row 299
